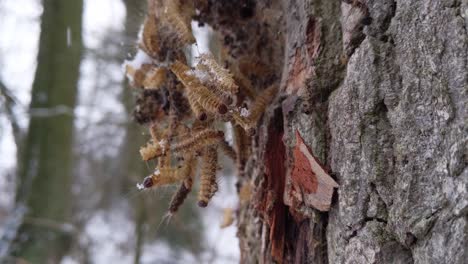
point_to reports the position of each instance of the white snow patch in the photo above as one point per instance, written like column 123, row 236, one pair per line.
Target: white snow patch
column 157, row 172
column 69, row 37
column 140, row 58
column 201, row 75
column 244, row 112
column 163, row 144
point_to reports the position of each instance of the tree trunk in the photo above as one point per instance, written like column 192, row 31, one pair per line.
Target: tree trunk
column 45, row 165
column 131, row 167
column 377, row 89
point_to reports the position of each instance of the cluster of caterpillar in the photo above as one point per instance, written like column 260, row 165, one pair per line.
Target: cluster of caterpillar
column 182, row 105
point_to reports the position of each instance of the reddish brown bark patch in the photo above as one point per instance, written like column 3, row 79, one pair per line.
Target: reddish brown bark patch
column 298, row 73
column 302, row 67
column 272, row 206
column 309, row 182
column 302, row 175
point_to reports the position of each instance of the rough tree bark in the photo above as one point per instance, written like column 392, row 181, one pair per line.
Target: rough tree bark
column 377, row 89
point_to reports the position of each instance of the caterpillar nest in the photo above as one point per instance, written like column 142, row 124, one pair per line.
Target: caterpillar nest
column 183, row 106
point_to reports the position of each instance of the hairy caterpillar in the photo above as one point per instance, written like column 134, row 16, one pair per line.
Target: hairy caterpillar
column 186, row 104
column 158, row 178
column 209, row 81
column 203, row 95
column 180, row 26
column 178, row 198
column 198, row 141
column 147, row 76
column 245, row 123
column 151, row 151
column 228, row 217
column 208, row 185
column 168, row 175
column 243, row 144
column 221, row 76
column 155, row 150
column 261, row 102
column 185, row 187
column 245, row 86
column 196, row 106
column 167, row 27
column 210, row 101
column 249, row 121
column 155, row 77
column 151, row 38
column 228, row 150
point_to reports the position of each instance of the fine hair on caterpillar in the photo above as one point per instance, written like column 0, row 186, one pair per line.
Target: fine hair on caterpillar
column 196, row 106
column 178, row 26
column 199, row 93
column 185, row 106
column 166, row 28
column 208, row 184
column 220, row 76
column 228, row 150
column 199, row 140
column 179, row 197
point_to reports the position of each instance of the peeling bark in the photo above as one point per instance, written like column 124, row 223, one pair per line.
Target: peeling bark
column 377, row 89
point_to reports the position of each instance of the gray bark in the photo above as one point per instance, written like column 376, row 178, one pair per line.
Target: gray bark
column 377, row 88
column 398, row 126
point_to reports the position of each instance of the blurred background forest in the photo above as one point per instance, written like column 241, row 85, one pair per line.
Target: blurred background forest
column 69, row 145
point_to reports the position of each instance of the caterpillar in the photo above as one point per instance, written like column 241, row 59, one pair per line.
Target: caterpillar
column 155, row 150
column 180, row 26
column 228, row 217
column 186, row 10
column 196, row 106
column 208, row 185
column 261, row 102
column 185, row 187
column 221, row 76
column 178, row 198
column 198, row 141
column 154, row 78
column 209, row 81
column 243, row 144
column 151, row 151
column 151, row 38
column 203, row 95
column 137, row 75
column 168, row 175
column 186, row 102
column 245, row 123
column 228, row 150
column 167, row 26
column 159, row 179
column 249, row 120
column 245, row 86
column 210, row 101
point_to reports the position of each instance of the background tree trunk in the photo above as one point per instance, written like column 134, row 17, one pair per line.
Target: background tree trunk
column 377, row 89
column 45, row 170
